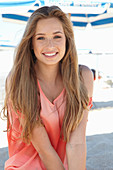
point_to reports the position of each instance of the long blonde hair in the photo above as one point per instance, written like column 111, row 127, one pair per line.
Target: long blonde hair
column 22, row 88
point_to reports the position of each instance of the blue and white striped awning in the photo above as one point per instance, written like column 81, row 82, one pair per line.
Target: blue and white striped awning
column 18, row 17
column 97, row 13
column 13, row 3
column 7, row 47
column 9, row 6
column 96, row 20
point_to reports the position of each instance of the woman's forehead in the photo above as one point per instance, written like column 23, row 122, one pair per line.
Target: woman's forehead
column 51, row 25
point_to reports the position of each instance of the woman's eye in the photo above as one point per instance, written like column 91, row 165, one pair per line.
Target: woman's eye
column 57, row 36
column 40, row 38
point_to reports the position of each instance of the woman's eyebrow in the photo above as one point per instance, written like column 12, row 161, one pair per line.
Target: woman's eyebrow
column 56, row 32
column 39, row 34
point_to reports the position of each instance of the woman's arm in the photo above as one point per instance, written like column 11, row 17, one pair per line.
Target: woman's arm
column 41, row 142
column 76, row 147
column 48, row 155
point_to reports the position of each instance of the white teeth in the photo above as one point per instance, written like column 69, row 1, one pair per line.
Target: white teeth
column 50, row 54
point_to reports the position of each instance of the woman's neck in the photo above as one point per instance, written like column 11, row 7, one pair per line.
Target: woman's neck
column 48, row 74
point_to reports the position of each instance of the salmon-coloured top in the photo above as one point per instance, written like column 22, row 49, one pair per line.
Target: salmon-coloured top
column 23, row 156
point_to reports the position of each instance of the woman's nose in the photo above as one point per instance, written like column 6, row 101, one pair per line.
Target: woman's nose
column 50, row 43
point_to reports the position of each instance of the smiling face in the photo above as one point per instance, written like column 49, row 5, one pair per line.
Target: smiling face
column 49, row 42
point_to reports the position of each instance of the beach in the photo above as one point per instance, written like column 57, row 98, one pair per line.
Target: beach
column 99, row 132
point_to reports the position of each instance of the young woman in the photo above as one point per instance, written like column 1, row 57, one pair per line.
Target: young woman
column 48, row 97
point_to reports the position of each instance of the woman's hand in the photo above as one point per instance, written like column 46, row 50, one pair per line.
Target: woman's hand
column 48, row 155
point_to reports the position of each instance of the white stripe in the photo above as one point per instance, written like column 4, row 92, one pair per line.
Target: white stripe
column 80, row 19
column 100, row 17
column 103, row 26
column 82, row 10
column 91, row 19
column 10, row 10
column 14, row 21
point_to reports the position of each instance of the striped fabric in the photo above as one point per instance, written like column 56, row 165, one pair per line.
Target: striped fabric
column 97, row 13
column 97, row 20
column 15, row 6
column 14, row 3
column 20, row 18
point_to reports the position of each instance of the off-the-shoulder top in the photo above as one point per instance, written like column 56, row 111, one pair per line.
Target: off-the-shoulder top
column 23, row 156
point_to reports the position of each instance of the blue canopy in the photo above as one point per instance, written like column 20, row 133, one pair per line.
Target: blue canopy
column 97, row 13
column 14, row 6
column 14, row 3
column 20, row 18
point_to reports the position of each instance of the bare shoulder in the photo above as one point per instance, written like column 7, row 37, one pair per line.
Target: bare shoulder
column 86, row 72
column 88, row 79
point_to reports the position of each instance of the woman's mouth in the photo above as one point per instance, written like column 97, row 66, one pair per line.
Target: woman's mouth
column 50, row 55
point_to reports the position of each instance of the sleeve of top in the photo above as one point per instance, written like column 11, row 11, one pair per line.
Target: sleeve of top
column 90, row 103
column 14, row 123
